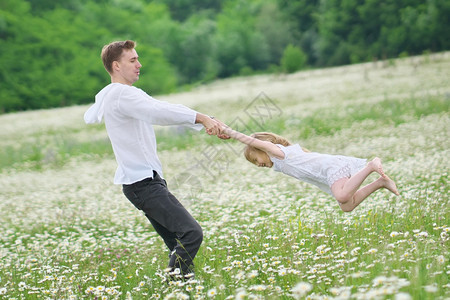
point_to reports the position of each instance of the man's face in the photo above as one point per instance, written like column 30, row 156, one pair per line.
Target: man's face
column 128, row 66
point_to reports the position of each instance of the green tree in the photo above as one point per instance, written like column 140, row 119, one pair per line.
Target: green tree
column 181, row 10
column 50, row 49
column 197, row 50
column 293, row 59
column 238, row 43
column 302, row 17
column 276, row 30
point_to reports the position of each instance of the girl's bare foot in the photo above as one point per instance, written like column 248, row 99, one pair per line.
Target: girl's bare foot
column 376, row 165
column 389, row 184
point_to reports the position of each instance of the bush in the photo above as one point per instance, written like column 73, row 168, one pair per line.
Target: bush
column 293, row 59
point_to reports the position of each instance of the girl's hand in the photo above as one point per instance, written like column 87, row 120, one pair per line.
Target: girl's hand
column 222, row 134
column 211, row 125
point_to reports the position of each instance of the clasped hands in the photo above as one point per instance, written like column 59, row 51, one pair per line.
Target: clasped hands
column 216, row 127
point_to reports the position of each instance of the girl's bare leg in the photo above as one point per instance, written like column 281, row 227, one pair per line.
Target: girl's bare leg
column 364, row 192
column 346, row 189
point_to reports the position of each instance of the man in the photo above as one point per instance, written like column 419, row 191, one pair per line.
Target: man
column 129, row 115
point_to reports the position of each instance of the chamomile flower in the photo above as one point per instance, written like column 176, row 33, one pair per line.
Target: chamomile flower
column 301, row 289
column 394, row 234
column 403, row 296
column 212, row 293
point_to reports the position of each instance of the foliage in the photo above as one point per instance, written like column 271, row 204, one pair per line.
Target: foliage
column 293, row 59
column 50, row 49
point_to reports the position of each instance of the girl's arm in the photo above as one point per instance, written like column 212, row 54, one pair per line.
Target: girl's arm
column 268, row 147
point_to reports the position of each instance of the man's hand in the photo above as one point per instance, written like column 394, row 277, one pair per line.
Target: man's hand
column 211, row 125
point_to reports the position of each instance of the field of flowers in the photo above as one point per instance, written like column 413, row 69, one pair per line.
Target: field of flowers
column 68, row 233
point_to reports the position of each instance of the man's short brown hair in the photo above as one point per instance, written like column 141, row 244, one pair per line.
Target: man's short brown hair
column 113, row 51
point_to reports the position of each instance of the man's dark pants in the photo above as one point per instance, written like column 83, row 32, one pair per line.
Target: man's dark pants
column 179, row 230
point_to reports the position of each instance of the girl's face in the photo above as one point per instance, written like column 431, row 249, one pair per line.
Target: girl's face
column 260, row 158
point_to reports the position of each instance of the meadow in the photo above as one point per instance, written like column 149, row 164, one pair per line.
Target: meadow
column 68, row 233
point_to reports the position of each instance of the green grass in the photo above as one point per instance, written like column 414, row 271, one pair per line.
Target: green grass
column 69, row 233
column 325, row 122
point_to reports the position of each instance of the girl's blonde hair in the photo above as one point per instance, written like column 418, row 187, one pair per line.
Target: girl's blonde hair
column 269, row 137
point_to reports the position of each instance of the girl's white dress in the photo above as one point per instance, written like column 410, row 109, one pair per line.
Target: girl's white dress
column 322, row 170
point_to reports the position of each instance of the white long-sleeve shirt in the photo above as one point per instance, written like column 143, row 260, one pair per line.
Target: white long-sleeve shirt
column 129, row 115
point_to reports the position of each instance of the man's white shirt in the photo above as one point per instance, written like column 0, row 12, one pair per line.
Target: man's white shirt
column 129, row 115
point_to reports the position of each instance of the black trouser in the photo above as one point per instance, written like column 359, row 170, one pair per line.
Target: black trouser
column 179, row 230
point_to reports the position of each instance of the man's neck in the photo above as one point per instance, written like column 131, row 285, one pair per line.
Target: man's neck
column 115, row 79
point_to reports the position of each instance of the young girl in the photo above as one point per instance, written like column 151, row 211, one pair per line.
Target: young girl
column 340, row 176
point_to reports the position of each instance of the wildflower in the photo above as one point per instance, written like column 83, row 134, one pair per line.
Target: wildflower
column 189, row 288
column 199, row 288
column 431, row 288
column 402, row 282
column 258, row 287
column 253, row 274
column 441, row 259
column 358, row 274
column 301, row 289
column 212, row 293
column 3, row 291
column 182, row 296
column 241, row 294
column 176, row 271
column 320, row 248
column 342, row 292
column 394, row 234
column 355, row 251
column 372, row 251
column 207, row 269
column 240, row 275
column 423, row 234
column 282, row 272
column 403, row 296
column 380, row 280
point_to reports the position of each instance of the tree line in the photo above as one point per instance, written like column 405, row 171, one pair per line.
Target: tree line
column 50, row 50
